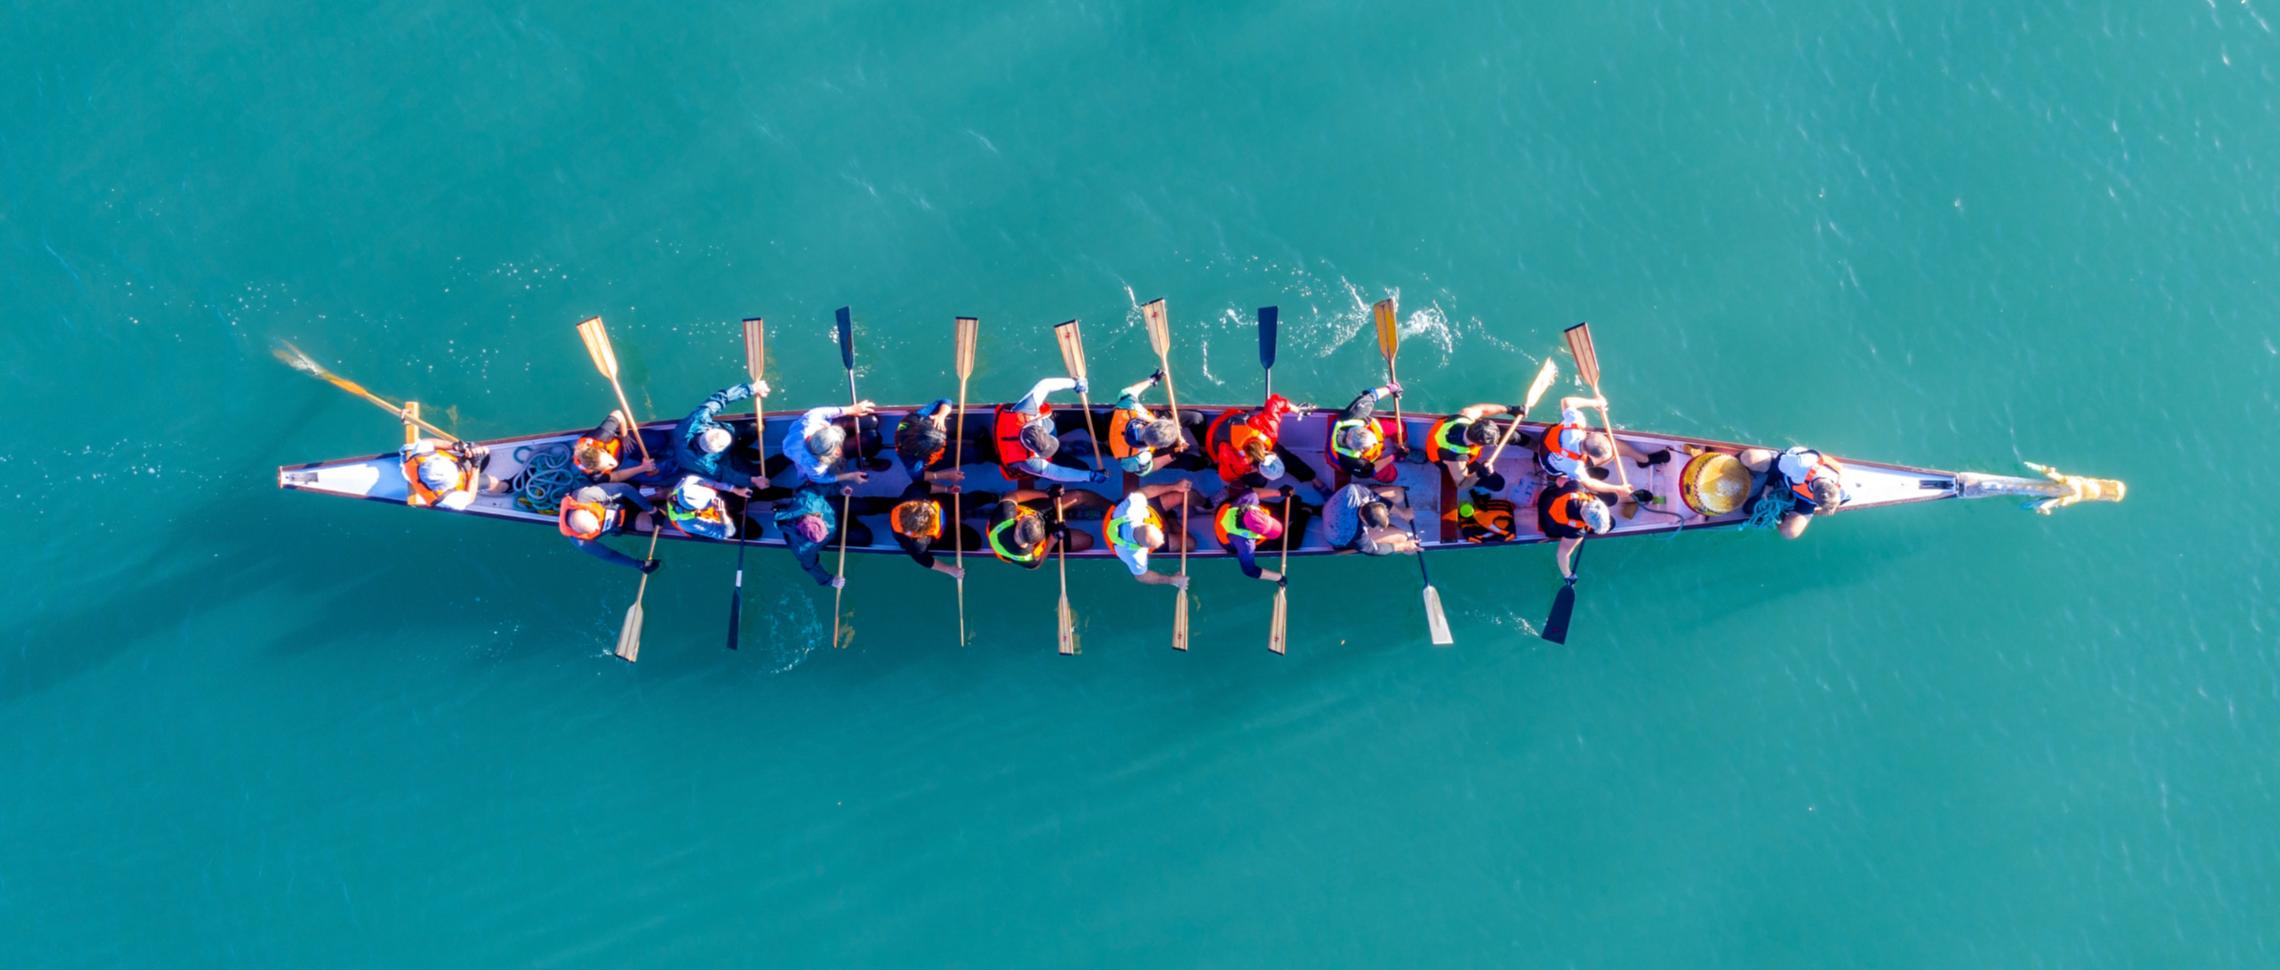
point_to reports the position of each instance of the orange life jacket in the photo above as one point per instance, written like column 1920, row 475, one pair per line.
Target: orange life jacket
column 1822, row 464
column 1438, row 447
column 1226, row 437
column 1485, row 520
column 1553, row 444
column 1115, row 529
column 1011, row 452
column 1120, row 431
column 898, row 520
column 1567, row 510
column 421, row 496
column 1385, row 433
column 614, row 447
column 607, row 513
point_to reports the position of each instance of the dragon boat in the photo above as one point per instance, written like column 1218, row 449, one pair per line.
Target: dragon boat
column 1702, row 486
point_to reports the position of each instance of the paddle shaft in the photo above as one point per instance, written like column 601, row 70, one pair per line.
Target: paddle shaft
column 736, row 597
column 1063, row 619
column 967, row 329
column 1180, row 605
column 401, row 412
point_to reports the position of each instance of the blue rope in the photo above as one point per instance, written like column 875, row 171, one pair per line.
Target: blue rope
column 547, row 476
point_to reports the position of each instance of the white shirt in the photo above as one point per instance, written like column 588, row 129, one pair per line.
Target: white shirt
column 1570, row 439
column 1131, row 512
column 795, row 444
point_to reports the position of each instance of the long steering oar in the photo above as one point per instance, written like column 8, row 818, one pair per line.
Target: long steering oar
column 755, row 354
column 1563, row 602
column 1587, row 367
column 294, row 358
column 846, row 321
column 1543, row 382
column 1072, row 343
column 1389, row 344
column 629, row 635
column 1278, row 631
column 605, row 360
column 968, row 330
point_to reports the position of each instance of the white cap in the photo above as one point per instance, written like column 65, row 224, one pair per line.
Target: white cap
column 439, row 472
column 714, row 440
column 1596, row 515
column 585, row 521
column 694, row 494
column 1271, row 466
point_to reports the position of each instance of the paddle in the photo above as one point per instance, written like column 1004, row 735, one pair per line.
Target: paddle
column 1389, row 344
column 1180, row 607
column 1536, row 391
column 1276, row 633
column 1587, row 367
column 1160, row 340
column 1066, row 618
column 1563, row 602
column 629, row 635
column 846, row 321
column 294, row 358
column 968, row 329
column 1073, row 359
column 605, row 360
column 1436, row 622
column 755, row 353
column 1269, row 317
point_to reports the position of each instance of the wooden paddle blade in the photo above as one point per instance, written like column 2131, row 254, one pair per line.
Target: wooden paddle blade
column 1072, row 348
column 846, row 322
column 1388, row 327
column 755, row 346
column 1180, row 622
column 598, row 346
column 1563, row 606
column 1436, row 622
column 1586, row 356
column 1544, row 377
column 1278, row 632
column 1270, row 318
column 1159, row 327
column 629, row 636
column 968, row 331
column 1068, row 632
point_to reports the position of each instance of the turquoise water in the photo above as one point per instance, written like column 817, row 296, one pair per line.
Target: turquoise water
column 240, row 727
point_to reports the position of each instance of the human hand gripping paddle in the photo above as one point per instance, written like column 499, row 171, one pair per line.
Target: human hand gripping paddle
column 846, row 323
column 294, row 358
column 1488, row 475
column 605, row 360
column 1160, row 341
column 968, row 330
column 755, row 354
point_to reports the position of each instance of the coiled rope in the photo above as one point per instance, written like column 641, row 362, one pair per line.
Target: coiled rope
column 547, row 476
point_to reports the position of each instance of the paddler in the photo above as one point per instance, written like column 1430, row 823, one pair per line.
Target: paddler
column 922, row 441
column 701, row 442
column 1022, row 530
column 1246, row 445
column 1245, row 523
column 1358, row 444
column 816, row 443
column 600, row 454
column 1359, row 518
column 809, row 518
column 696, row 509
column 920, row 521
column 1143, row 442
column 592, row 511
column 1459, row 442
column 1571, row 451
column 446, row 475
column 1812, row 483
column 1134, row 527
column 1027, row 436
column 1570, row 512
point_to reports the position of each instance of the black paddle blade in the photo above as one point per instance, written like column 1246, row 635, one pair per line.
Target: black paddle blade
column 847, row 337
column 735, row 615
column 1563, row 606
column 1268, row 318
